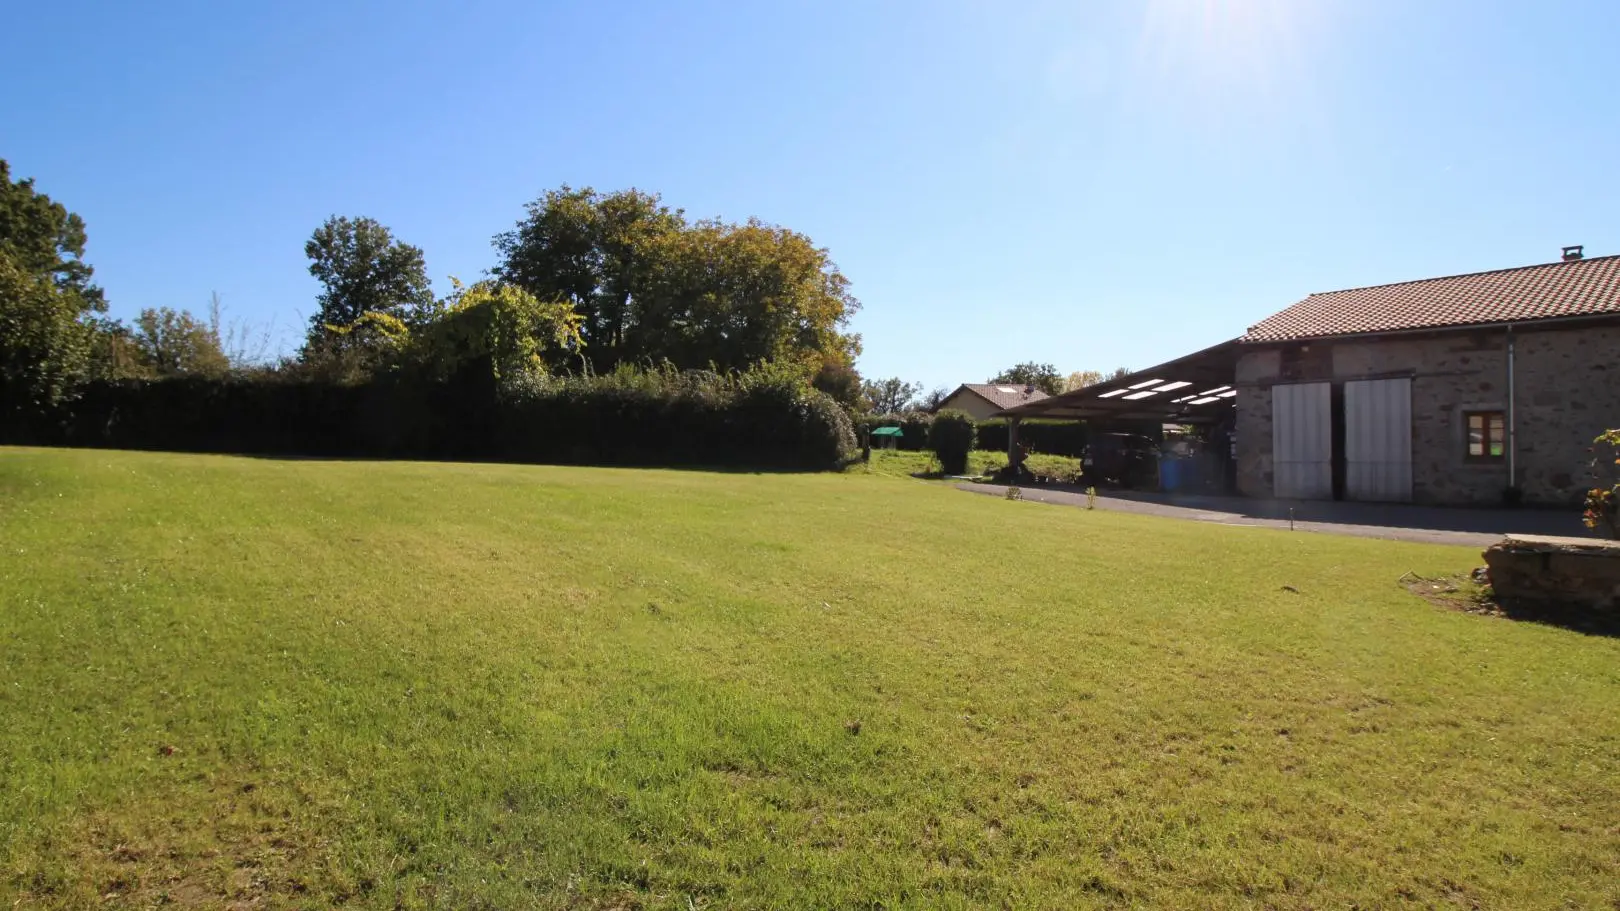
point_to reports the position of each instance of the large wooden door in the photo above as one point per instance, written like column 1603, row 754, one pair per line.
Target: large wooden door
column 1378, row 440
column 1302, row 441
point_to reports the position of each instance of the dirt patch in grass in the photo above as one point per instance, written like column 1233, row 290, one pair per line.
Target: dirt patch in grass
column 1471, row 593
column 236, row 841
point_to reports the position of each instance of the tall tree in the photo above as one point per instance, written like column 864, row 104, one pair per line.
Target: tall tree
column 650, row 286
column 890, row 396
column 595, row 250
column 42, row 238
column 363, row 269
column 175, row 343
column 1080, row 379
column 1044, row 377
column 934, row 398
column 47, row 301
column 839, row 379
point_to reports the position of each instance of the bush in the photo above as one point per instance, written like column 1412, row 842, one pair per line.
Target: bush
column 951, row 437
column 760, row 418
column 913, row 427
column 1064, row 438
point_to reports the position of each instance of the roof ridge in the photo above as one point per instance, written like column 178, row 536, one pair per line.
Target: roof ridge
column 1442, row 278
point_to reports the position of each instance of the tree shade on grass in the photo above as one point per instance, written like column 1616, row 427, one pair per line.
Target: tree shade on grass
column 304, row 683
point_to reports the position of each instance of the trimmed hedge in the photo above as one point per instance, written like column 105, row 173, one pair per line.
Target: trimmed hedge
column 913, row 427
column 755, row 419
column 1064, row 438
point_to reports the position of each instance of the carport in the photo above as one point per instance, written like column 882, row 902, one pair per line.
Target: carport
column 1196, row 389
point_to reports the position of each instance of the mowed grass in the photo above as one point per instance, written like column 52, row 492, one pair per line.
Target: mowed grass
column 234, row 682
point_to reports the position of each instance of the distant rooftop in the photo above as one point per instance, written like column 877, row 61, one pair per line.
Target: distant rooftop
column 1004, row 395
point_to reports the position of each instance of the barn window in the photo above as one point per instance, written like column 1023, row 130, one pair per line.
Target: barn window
column 1487, row 435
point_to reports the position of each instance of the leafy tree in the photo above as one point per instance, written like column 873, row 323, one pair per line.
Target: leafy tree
column 890, row 396
column 45, row 343
column 47, row 302
column 651, row 287
column 499, row 327
column 934, row 398
column 114, row 354
column 1042, row 376
column 42, row 238
column 1080, row 379
column 595, row 250
column 175, row 343
column 363, row 269
column 840, row 381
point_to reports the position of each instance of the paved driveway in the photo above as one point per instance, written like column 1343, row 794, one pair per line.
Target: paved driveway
column 1426, row 524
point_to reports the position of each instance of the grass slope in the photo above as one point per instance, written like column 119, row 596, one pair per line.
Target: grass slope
column 258, row 683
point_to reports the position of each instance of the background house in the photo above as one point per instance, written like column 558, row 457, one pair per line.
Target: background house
column 986, row 400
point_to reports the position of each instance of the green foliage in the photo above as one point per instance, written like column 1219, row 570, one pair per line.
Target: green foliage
column 890, row 396
column 839, row 379
column 951, row 437
column 363, row 270
column 1080, row 379
column 1602, row 510
column 499, row 327
column 47, row 302
column 1064, row 438
column 598, row 251
column 43, row 239
column 652, row 287
column 45, row 343
column 1044, row 377
column 766, row 417
column 913, row 427
column 174, row 343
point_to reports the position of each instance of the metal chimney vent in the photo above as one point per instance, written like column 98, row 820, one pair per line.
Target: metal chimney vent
column 1572, row 254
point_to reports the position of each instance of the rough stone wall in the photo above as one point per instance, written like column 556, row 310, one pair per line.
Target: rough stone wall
column 1578, row 572
column 1566, row 394
column 1256, row 371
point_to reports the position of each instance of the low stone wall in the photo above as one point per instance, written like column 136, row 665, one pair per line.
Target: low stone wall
column 1580, row 572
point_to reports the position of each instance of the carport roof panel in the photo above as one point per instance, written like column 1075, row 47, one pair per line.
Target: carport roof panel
column 1157, row 393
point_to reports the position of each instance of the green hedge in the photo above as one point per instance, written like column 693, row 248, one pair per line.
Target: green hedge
column 1064, row 438
column 913, row 427
column 756, row 419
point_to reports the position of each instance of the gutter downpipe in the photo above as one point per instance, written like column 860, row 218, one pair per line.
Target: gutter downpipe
column 1512, row 418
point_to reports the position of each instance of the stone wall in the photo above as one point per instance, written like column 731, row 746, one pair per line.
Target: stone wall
column 1566, row 395
column 1575, row 572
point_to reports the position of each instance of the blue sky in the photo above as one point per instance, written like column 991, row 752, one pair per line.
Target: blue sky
column 1094, row 184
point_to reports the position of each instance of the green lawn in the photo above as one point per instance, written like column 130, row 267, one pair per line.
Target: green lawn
column 233, row 682
column 904, row 464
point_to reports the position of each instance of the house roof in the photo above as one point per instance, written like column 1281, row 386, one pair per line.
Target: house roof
column 1586, row 287
column 1003, row 395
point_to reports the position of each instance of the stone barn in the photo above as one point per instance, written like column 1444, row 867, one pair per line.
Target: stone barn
column 1472, row 389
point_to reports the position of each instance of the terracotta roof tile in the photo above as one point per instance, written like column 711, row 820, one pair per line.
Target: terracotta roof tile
column 1005, row 395
column 1587, row 287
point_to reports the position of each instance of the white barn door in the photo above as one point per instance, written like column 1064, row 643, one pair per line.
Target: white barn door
column 1302, row 441
column 1378, row 440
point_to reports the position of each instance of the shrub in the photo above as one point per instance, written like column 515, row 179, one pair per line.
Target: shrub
column 1602, row 513
column 913, row 427
column 951, row 437
column 1064, row 438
